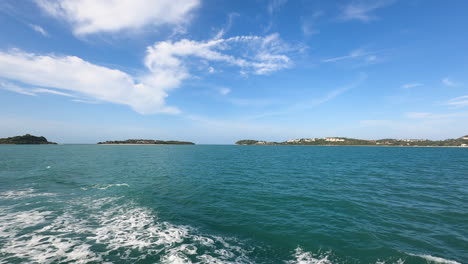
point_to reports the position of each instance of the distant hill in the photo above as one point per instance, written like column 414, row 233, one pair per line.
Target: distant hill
column 146, row 142
column 343, row 141
column 26, row 139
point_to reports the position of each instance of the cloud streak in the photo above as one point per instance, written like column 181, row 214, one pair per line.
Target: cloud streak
column 427, row 115
column 355, row 54
column 275, row 5
column 301, row 106
column 362, row 10
column 39, row 29
column 411, row 85
column 460, row 101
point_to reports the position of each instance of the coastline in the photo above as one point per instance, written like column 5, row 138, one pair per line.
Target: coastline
column 134, row 144
column 359, row 146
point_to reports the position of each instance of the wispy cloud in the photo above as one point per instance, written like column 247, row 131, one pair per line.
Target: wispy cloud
column 30, row 91
column 274, row 5
column 15, row 88
column 459, row 101
column 358, row 53
column 227, row 27
column 418, row 115
column 334, row 93
column 224, row 90
column 301, row 106
column 308, row 24
column 411, row 85
column 89, row 17
column 427, row 115
column 251, row 102
column 363, row 10
column 449, row 82
column 39, row 29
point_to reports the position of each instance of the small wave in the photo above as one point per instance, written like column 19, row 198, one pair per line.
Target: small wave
column 305, row 257
column 21, row 194
column 435, row 259
column 104, row 186
column 399, row 261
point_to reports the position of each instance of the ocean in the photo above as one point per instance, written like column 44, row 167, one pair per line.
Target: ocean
column 233, row 204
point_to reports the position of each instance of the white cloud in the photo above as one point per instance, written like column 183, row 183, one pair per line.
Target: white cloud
column 358, row 53
column 39, row 29
column 91, row 16
column 256, row 55
column 448, row 82
column 362, row 10
column 72, row 74
column 459, row 101
column 168, row 65
column 411, row 85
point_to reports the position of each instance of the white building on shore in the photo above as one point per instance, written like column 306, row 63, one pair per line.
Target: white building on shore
column 334, row 139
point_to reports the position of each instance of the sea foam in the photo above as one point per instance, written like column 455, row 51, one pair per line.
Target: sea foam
column 107, row 230
column 435, row 259
column 304, row 257
column 21, row 194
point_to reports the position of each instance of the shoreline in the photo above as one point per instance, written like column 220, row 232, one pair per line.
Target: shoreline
column 134, row 144
column 361, row 146
column 233, row 145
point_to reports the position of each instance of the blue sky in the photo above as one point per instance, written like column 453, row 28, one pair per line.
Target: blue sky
column 214, row 71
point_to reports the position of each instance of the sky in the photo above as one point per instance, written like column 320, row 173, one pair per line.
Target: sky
column 217, row 71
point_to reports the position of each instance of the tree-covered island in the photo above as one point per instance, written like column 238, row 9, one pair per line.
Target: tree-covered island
column 26, row 139
column 343, row 141
column 145, row 142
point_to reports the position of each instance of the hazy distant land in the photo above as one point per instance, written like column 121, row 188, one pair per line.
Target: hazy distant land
column 343, row 141
column 145, row 142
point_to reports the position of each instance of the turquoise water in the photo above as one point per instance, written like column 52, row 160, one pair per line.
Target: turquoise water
column 233, row 204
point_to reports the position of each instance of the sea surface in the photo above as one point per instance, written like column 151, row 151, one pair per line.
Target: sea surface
column 233, row 204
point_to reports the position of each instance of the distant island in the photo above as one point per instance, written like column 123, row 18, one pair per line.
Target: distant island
column 343, row 141
column 145, row 142
column 26, row 139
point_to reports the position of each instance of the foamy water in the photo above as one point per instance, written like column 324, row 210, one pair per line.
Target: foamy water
column 125, row 232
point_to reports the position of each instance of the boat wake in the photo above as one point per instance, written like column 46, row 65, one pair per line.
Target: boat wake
column 90, row 230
